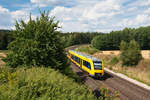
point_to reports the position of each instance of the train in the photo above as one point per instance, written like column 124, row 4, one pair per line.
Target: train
column 93, row 66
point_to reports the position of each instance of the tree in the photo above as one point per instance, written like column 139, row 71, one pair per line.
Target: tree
column 130, row 53
column 37, row 43
column 99, row 42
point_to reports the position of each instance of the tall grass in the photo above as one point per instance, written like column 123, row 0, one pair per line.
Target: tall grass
column 42, row 84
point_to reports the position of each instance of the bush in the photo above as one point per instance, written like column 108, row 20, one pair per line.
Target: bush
column 130, row 53
column 105, row 94
column 114, row 61
column 87, row 49
column 43, row 84
column 37, row 43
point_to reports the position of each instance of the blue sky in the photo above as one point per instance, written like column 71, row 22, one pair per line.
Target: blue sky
column 79, row 15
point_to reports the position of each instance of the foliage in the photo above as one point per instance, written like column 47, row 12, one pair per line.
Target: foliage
column 100, row 42
column 112, row 40
column 105, row 94
column 5, row 39
column 87, row 49
column 48, row 85
column 114, row 61
column 130, row 53
column 37, row 43
column 75, row 38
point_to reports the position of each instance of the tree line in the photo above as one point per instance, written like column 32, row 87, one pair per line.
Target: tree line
column 5, row 38
column 68, row 38
column 102, row 41
column 112, row 40
column 74, row 38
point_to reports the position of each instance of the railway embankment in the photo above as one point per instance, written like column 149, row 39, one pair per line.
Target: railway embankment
column 129, row 89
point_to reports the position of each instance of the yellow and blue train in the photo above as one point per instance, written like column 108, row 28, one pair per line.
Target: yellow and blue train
column 93, row 66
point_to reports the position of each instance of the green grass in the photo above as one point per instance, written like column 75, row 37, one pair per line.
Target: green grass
column 87, row 49
column 114, row 61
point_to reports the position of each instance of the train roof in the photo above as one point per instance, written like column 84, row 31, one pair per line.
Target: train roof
column 87, row 56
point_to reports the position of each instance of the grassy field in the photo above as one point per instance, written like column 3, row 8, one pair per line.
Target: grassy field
column 141, row 72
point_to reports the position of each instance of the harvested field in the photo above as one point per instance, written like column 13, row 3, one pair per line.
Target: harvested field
column 145, row 53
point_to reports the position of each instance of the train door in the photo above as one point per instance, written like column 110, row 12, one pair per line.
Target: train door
column 81, row 63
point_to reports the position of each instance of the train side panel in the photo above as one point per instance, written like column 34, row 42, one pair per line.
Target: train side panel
column 85, row 63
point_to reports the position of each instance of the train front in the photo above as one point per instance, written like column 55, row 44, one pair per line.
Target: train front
column 98, row 68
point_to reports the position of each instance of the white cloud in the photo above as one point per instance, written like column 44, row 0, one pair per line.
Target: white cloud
column 3, row 9
column 84, row 15
column 44, row 3
column 147, row 11
column 89, row 18
column 139, row 3
column 5, row 17
column 142, row 18
column 139, row 20
column 8, row 18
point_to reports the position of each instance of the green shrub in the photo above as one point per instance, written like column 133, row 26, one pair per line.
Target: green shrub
column 87, row 49
column 37, row 43
column 105, row 94
column 130, row 53
column 114, row 61
column 43, row 84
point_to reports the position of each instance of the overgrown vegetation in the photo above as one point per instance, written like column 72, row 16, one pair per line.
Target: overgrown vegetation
column 105, row 94
column 87, row 49
column 130, row 53
column 28, row 84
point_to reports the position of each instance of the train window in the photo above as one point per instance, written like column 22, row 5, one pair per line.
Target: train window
column 87, row 64
column 72, row 56
column 98, row 65
column 75, row 58
column 79, row 60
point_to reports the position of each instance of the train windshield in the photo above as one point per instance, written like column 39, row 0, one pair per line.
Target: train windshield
column 98, row 65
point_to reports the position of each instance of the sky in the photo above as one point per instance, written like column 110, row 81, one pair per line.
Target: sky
column 79, row 15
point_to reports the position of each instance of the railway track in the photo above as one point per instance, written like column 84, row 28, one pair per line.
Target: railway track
column 127, row 90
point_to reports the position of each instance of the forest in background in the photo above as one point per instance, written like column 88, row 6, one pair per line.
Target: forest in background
column 101, row 41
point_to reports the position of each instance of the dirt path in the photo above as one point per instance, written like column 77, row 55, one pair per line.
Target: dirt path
column 1, row 62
